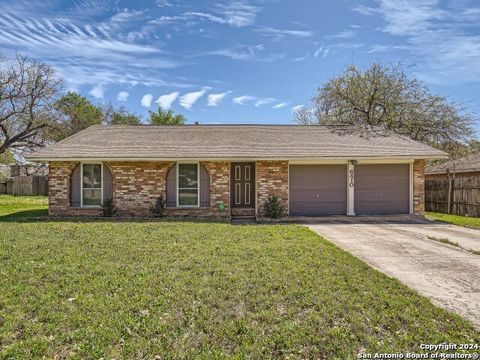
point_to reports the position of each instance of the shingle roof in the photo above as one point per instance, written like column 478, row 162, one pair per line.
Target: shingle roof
column 467, row 164
column 231, row 142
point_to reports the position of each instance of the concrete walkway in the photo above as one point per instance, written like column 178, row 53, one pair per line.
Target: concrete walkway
column 410, row 249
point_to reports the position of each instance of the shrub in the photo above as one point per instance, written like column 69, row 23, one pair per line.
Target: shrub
column 272, row 208
column 158, row 209
column 108, row 208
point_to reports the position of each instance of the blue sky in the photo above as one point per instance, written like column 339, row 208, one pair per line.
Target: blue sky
column 239, row 61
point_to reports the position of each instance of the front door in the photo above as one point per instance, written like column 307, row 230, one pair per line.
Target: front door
column 242, row 185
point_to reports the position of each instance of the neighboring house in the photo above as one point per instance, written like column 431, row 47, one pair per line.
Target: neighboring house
column 313, row 170
column 465, row 167
column 453, row 186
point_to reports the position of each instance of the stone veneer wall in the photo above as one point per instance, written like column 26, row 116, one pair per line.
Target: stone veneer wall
column 419, row 186
column 272, row 179
column 136, row 185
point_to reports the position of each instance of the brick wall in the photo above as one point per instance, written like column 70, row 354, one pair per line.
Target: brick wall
column 136, row 186
column 219, row 172
column 59, row 186
column 272, row 179
column 419, row 186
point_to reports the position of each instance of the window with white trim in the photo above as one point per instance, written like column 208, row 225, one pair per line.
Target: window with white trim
column 92, row 185
column 188, row 185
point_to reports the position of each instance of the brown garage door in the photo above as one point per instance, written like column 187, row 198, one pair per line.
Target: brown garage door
column 318, row 190
column 382, row 189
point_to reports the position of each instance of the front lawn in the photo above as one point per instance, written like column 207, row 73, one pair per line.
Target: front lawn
column 22, row 207
column 469, row 222
column 201, row 290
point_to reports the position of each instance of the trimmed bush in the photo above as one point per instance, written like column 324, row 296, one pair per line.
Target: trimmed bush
column 272, row 208
column 108, row 208
column 158, row 209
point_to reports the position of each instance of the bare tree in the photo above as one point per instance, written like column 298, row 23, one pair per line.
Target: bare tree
column 384, row 97
column 28, row 90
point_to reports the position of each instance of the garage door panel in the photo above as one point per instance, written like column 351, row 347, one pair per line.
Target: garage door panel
column 382, row 189
column 318, row 189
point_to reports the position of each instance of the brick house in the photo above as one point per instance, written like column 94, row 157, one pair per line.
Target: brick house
column 468, row 166
column 228, row 170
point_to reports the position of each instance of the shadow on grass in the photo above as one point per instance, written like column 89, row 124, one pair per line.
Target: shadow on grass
column 41, row 215
column 25, row 215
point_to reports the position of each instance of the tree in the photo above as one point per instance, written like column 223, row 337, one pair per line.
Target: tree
column 7, row 157
column 74, row 113
column 28, row 91
column 384, row 97
column 120, row 116
column 163, row 117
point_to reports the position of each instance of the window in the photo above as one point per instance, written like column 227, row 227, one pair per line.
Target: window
column 92, row 184
column 188, row 184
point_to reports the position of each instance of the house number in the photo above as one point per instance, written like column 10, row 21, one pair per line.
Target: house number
column 352, row 177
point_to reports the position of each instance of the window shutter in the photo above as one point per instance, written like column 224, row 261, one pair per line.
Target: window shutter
column 75, row 191
column 107, row 183
column 204, row 187
column 172, row 187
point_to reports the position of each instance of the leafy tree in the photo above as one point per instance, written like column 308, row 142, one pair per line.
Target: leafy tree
column 385, row 97
column 7, row 157
column 28, row 91
column 74, row 113
column 164, row 117
column 120, row 116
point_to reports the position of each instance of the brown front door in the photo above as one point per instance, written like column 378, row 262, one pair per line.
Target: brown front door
column 242, row 185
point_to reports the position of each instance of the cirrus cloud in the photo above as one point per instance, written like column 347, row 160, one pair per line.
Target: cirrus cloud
column 189, row 99
column 165, row 101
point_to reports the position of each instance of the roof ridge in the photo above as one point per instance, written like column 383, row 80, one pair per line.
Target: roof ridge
column 226, row 125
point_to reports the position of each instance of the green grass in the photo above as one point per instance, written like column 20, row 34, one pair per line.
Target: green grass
column 200, row 290
column 469, row 222
column 22, row 207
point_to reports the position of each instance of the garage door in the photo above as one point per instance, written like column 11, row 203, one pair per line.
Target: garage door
column 318, row 190
column 382, row 189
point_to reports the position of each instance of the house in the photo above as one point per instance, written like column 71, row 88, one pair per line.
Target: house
column 223, row 170
column 453, row 186
column 465, row 167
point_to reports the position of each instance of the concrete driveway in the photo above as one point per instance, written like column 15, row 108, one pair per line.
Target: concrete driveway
column 410, row 249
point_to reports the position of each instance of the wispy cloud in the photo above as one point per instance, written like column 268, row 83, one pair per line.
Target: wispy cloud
column 85, row 51
column 447, row 52
column 246, row 52
column 189, row 99
column 235, row 13
column 346, row 34
column 264, row 101
column 297, row 107
column 280, row 105
column 165, row 101
column 322, row 52
column 123, row 96
column 97, row 91
column 215, row 99
column 279, row 34
column 241, row 100
column 147, row 100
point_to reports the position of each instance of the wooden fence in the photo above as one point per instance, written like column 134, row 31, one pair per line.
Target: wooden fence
column 25, row 185
column 459, row 196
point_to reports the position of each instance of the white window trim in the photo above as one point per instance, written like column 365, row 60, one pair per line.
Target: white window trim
column 178, row 183
column 81, row 184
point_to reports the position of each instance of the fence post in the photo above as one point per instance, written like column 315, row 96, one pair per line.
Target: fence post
column 449, row 194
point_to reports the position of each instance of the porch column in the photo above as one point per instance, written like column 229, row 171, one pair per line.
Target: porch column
column 351, row 187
